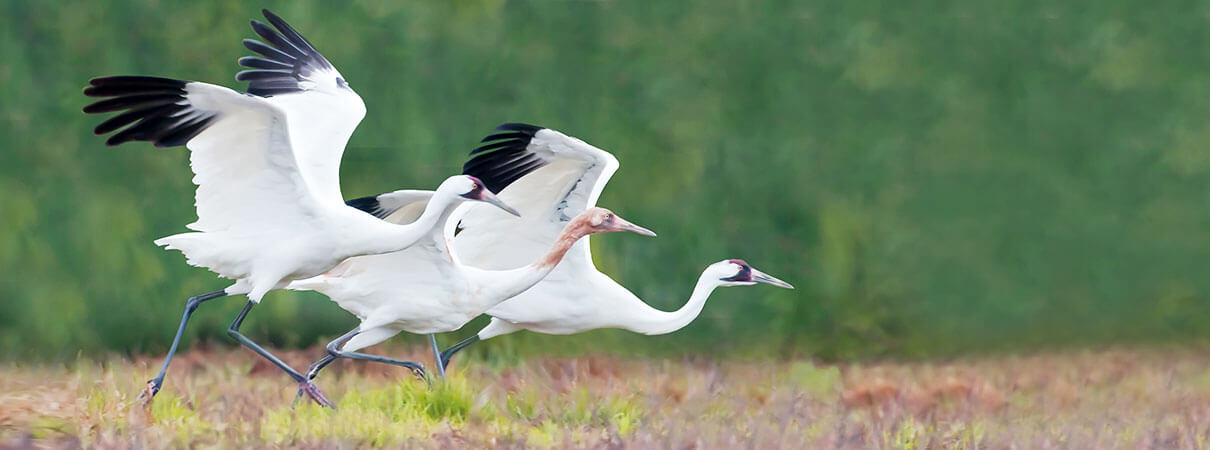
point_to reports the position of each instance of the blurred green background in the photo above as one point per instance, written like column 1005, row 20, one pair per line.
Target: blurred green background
column 937, row 178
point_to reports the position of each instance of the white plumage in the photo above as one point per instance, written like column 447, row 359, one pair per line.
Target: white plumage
column 271, row 214
column 567, row 178
column 266, row 165
column 426, row 289
column 550, row 178
column 267, row 168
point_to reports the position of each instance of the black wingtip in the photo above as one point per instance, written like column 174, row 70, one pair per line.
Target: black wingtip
column 153, row 109
column 519, row 135
column 521, row 127
column 368, row 205
column 254, row 62
column 504, row 157
column 286, row 58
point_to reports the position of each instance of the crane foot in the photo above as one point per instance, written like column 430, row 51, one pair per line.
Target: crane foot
column 148, row 394
column 309, row 388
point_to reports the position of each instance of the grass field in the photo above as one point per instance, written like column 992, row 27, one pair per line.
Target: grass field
column 1103, row 399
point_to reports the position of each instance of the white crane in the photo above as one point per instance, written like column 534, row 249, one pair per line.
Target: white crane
column 548, row 177
column 266, row 164
column 426, row 288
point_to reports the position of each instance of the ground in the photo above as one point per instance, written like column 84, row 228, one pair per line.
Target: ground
column 222, row 398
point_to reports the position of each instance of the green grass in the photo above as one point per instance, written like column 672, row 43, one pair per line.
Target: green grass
column 1105, row 399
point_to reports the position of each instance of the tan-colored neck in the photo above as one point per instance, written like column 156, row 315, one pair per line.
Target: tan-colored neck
column 571, row 233
column 510, row 283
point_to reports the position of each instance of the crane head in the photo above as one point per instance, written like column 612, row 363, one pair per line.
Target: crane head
column 472, row 188
column 601, row 220
column 737, row 272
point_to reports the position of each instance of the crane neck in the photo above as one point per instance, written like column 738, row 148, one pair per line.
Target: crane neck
column 652, row 321
column 520, row 279
column 399, row 237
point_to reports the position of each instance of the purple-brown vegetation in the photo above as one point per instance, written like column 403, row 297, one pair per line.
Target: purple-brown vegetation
column 1095, row 400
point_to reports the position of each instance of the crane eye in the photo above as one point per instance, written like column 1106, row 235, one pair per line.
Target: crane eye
column 341, row 82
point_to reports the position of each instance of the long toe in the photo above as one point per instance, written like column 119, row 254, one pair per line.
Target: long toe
column 297, row 397
column 153, row 387
column 423, row 376
column 313, row 391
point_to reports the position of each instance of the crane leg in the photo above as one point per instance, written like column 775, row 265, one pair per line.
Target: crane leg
column 334, row 352
column 304, row 384
column 437, row 356
column 154, row 384
column 449, row 352
column 317, row 366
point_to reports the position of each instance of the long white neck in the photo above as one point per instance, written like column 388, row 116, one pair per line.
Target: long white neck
column 653, row 321
column 387, row 237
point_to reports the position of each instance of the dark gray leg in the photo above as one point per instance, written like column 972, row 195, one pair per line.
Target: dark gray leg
column 154, row 384
column 437, row 356
column 335, row 352
column 316, row 366
column 449, row 352
column 303, row 383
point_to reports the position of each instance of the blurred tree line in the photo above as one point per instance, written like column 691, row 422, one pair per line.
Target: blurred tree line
column 936, row 178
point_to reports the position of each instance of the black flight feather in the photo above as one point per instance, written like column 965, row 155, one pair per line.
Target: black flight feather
column 286, row 59
column 256, row 62
column 370, row 206
column 504, row 157
column 154, row 110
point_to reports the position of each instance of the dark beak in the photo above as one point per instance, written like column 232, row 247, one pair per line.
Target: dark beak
column 489, row 197
column 624, row 225
column 761, row 277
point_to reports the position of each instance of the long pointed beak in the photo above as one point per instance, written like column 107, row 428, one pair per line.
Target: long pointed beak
column 761, row 277
column 489, row 197
column 624, row 225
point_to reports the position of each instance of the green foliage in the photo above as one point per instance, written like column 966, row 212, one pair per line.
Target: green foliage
column 621, row 413
column 909, row 436
column 171, row 412
column 936, row 179
column 814, row 380
column 409, row 410
column 387, row 416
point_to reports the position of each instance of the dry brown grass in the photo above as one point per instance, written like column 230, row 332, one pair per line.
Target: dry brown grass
column 1095, row 400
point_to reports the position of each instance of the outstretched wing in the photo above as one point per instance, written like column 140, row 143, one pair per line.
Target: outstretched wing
column 241, row 156
column 546, row 175
column 401, row 207
column 322, row 110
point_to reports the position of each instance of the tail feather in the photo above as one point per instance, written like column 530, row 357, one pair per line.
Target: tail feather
column 203, row 250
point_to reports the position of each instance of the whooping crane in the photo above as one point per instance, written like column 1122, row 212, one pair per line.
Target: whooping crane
column 425, row 288
column 549, row 176
column 266, row 164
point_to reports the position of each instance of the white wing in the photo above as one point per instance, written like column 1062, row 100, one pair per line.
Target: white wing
column 322, row 110
column 400, row 207
column 362, row 284
column 546, row 175
column 243, row 164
